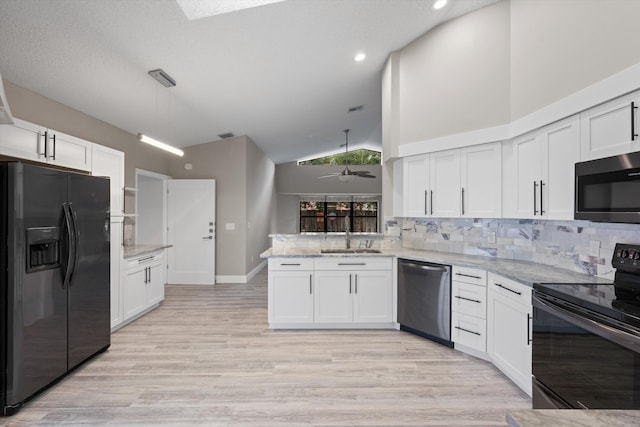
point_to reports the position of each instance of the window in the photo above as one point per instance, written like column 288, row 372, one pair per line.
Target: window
column 330, row 216
column 360, row 156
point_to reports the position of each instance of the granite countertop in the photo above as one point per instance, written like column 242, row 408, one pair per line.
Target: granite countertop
column 131, row 251
column 524, row 272
column 573, row 418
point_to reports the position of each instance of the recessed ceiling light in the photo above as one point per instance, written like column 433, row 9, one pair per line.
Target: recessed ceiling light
column 360, row 56
column 439, row 4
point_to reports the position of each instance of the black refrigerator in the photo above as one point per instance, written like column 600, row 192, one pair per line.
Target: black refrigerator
column 54, row 290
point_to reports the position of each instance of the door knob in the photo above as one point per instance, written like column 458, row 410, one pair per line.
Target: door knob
column 207, row 238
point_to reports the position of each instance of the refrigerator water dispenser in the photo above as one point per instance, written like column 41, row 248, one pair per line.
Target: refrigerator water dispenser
column 43, row 248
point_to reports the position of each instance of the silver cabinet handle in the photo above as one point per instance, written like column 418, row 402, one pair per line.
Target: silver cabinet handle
column 462, row 200
column 425, row 202
column 356, row 283
column 431, row 201
column 634, row 135
column 350, row 283
column 535, row 206
column 352, row 263
column 290, row 264
column 310, row 284
column 541, row 208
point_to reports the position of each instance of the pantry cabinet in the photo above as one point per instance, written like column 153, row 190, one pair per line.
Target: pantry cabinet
column 109, row 162
column 29, row 141
column 611, row 128
column 509, row 315
column 539, row 172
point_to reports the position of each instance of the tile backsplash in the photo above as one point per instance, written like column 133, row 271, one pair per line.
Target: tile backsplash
column 581, row 246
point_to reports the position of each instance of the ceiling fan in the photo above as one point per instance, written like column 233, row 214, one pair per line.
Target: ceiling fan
column 347, row 173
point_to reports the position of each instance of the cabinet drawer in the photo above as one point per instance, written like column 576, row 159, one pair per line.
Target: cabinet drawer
column 152, row 258
column 468, row 330
column 469, row 299
column 353, row 263
column 290, row 264
column 469, row 275
column 515, row 291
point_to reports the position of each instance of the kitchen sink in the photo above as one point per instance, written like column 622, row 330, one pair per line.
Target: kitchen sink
column 350, row 251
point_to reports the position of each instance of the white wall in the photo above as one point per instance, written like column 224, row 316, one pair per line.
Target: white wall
column 455, row 78
column 560, row 47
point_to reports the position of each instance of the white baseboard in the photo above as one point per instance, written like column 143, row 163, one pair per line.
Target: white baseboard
column 241, row 278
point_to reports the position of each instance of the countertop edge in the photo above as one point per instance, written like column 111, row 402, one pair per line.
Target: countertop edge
column 133, row 251
column 525, row 272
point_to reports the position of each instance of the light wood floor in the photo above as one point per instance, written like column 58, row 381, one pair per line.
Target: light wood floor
column 206, row 357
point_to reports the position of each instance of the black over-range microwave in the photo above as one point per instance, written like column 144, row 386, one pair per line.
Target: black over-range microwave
column 608, row 189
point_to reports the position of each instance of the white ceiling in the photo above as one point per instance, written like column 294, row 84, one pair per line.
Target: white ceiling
column 281, row 73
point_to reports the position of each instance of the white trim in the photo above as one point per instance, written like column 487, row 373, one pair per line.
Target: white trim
column 241, row 278
column 611, row 87
column 320, row 326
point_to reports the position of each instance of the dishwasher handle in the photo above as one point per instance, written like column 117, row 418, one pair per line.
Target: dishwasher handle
column 442, row 269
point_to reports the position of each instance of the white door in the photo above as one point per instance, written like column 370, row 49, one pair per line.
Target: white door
column 191, row 206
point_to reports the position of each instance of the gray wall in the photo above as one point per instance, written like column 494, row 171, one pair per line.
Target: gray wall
column 244, row 195
column 259, row 205
column 292, row 178
column 35, row 108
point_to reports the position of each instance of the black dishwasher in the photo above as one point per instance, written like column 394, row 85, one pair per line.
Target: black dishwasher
column 424, row 300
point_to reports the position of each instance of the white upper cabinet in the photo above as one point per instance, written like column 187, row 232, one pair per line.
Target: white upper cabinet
column 68, row 151
column 454, row 183
column 109, row 162
column 28, row 141
column 444, row 176
column 539, row 172
column 611, row 128
column 416, row 186
column 481, row 181
column 23, row 140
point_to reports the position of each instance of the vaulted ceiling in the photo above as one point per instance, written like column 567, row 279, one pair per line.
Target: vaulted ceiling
column 281, row 73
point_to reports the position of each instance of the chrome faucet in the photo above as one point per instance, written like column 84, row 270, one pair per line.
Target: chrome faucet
column 347, row 238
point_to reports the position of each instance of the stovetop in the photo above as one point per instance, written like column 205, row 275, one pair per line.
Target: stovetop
column 619, row 300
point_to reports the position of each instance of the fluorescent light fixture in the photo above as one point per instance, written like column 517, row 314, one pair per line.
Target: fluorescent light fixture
column 5, row 112
column 439, row 4
column 162, row 77
column 161, row 145
column 196, row 9
column 360, row 56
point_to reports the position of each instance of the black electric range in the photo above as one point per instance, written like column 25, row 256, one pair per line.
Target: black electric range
column 586, row 340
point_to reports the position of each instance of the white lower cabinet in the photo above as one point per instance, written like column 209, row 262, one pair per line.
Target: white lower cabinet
column 290, row 290
column 143, row 284
column 469, row 310
column 509, row 329
column 330, row 292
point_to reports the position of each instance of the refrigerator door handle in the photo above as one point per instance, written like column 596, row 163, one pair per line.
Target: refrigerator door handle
column 70, row 248
column 76, row 239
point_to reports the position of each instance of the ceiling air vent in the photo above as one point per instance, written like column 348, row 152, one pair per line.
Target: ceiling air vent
column 226, row 135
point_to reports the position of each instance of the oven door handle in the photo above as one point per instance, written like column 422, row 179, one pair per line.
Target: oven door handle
column 623, row 338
